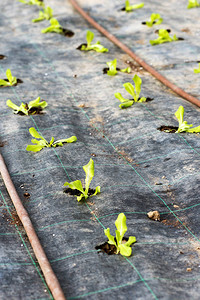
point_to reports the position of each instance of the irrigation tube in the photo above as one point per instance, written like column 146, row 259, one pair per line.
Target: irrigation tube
column 141, row 62
column 45, row 266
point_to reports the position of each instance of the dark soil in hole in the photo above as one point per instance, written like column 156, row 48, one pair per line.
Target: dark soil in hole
column 107, row 248
column 32, row 111
column 67, row 32
column 180, row 39
column 2, row 56
column 168, row 129
column 148, row 99
column 2, row 144
column 144, row 23
column 77, row 193
column 107, row 69
column 18, row 82
column 124, row 9
column 157, row 30
column 79, row 47
column 27, row 195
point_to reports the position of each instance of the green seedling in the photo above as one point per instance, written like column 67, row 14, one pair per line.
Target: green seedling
column 129, row 7
column 124, row 248
column 96, row 47
column 42, row 143
column 47, row 14
column 27, row 108
column 113, row 68
column 155, row 19
column 55, row 27
column 77, row 185
column 33, row 2
column 192, row 4
column 183, row 125
column 164, row 37
column 11, row 80
column 197, row 70
column 133, row 91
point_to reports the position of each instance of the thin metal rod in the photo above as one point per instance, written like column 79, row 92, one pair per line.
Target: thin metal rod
column 45, row 266
column 141, row 62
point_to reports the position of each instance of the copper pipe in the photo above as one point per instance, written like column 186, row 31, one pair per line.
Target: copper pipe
column 141, row 62
column 45, row 266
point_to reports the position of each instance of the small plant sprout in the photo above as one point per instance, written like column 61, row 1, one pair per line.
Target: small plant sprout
column 124, row 248
column 33, row 2
column 129, row 8
column 42, row 143
column 47, row 14
column 164, row 37
column 11, row 80
column 197, row 70
column 112, row 65
column 54, row 27
column 155, row 19
column 29, row 108
column 96, row 47
column 77, row 185
column 133, row 91
column 183, row 125
column 192, row 4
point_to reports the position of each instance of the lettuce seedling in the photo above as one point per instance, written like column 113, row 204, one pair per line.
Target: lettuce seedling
column 77, row 185
column 124, row 248
column 27, row 108
column 96, row 47
column 33, row 2
column 42, row 143
column 55, row 27
column 133, row 91
column 183, row 125
column 11, row 80
column 47, row 14
column 164, row 37
column 155, row 19
column 113, row 68
column 192, row 4
column 197, row 70
column 129, row 7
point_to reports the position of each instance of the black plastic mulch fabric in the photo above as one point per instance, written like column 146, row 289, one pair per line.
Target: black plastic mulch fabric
column 138, row 167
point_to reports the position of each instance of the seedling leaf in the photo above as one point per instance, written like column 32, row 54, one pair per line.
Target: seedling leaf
column 47, row 14
column 123, row 248
column 112, row 67
column 129, row 7
column 155, row 19
column 33, row 2
column 164, row 37
column 192, row 4
column 26, row 108
column 43, row 143
column 197, row 70
column 126, row 70
column 54, row 27
column 96, row 47
column 11, row 80
column 183, row 125
column 89, row 171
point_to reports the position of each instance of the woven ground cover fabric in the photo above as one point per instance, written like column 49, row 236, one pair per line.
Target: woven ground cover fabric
column 138, row 167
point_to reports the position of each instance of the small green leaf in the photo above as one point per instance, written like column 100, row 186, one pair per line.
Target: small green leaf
column 129, row 7
column 72, row 139
column 138, row 81
column 120, row 98
column 51, row 141
column 130, row 89
column 125, row 250
column 111, row 239
column 197, row 70
column 89, row 171
column 155, row 19
column 131, row 240
column 75, row 185
column 89, row 37
column 35, row 134
column 180, row 114
column 55, row 27
column 34, row 148
column 12, row 105
column 112, row 67
column 126, row 70
column 164, row 37
column 4, row 83
column 120, row 224
column 192, row 4
column 97, row 191
column 194, row 129
column 143, row 99
column 126, row 104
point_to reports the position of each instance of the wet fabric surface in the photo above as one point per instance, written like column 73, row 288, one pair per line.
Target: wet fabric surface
column 138, row 167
